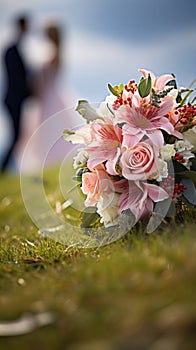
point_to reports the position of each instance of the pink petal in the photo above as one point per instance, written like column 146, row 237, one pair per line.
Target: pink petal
column 166, row 106
column 163, row 80
column 156, row 137
column 131, row 140
column 111, row 163
column 156, row 193
column 177, row 134
column 99, row 156
column 145, row 73
column 121, row 186
column 147, row 209
column 164, row 123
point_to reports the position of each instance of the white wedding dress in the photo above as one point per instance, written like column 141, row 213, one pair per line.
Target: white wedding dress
column 44, row 119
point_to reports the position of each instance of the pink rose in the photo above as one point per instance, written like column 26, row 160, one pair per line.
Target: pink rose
column 140, row 161
column 97, row 184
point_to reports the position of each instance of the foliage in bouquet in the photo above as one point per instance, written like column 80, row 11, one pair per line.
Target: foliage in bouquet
column 139, row 149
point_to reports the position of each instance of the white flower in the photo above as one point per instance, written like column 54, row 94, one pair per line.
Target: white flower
column 167, row 151
column 109, row 215
column 183, row 145
column 81, row 159
column 187, row 155
column 105, row 108
column 110, row 99
column 190, row 135
column 162, row 171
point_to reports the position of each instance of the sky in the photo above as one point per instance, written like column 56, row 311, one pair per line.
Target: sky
column 109, row 40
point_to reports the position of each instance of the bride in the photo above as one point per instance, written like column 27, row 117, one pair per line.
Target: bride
column 48, row 111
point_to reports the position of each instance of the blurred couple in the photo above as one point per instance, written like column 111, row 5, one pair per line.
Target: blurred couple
column 31, row 94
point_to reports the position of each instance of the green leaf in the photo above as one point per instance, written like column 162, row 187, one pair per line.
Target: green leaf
column 193, row 165
column 179, row 167
column 185, row 98
column 192, row 83
column 113, row 91
column 144, row 86
column 67, row 132
column 120, row 88
column 189, row 175
column 77, row 178
column 190, row 193
column 89, row 217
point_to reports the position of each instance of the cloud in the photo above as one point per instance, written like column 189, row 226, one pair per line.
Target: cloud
column 97, row 59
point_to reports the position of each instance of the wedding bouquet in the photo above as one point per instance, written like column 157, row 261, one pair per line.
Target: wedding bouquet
column 138, row 156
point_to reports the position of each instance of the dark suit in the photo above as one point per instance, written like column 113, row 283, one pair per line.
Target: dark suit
column 17, row 90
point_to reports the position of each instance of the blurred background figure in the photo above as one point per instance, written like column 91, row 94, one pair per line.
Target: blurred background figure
column 48, row 108
column 47, row 90
column 17, row 88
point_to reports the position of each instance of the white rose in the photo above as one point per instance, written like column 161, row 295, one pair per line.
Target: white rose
column 81, row 159
column 162, row 171
column 109, row 215
column 190, row 135
column 167, row 151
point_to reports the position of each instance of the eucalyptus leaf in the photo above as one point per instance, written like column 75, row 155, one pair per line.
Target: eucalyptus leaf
column 73, row 137
column 190, row 193
column 89, row 217
column 68, row 135
column 159, row 213
column 144, row 86
column 172, row 210
column 87, row 111
column 193, row 164
column 189, row 174
column 179, row 167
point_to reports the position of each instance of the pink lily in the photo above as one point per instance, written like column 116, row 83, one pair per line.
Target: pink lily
column 145, row 120
column 139, row 197
column 106, row 146
column 158, row 83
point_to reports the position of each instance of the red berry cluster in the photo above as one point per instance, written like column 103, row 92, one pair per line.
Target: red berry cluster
column 117, row 103
column 187, row 113
column 131, row 86
column 179, row 188
column 179, row 157
column 173, row 190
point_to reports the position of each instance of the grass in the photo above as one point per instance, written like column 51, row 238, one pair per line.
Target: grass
column 136, row 293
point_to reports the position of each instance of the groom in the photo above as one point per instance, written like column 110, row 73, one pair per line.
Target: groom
column 17, row 89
